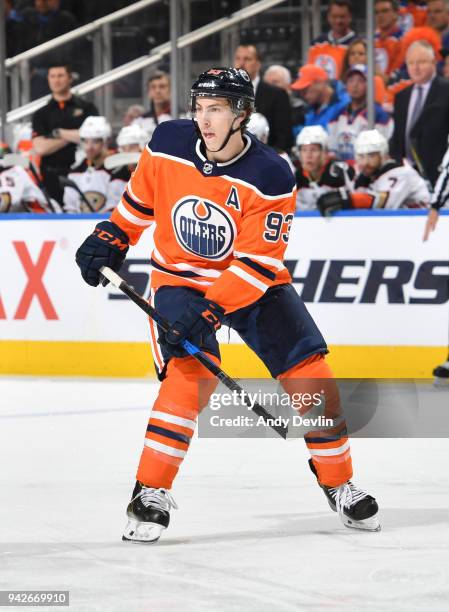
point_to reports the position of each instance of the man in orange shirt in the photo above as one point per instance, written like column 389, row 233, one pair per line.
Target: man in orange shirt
column 388, row 36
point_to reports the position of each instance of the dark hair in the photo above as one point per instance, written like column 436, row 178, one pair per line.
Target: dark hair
column 345, row 65
column 342, row 4
column 159, row 74
column 67, row 67
column 250, row 44
column 394, row 4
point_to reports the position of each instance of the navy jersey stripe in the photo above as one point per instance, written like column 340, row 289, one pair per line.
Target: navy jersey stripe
column 183, row 274
column 327, row 439
column 258, row 268
column 173, row 435
column 142, row 209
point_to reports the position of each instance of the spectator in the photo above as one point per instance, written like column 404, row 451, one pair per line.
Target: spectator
column 132, row 112
column 279, row 76
column 43, row 22
column 325, row 100
column 90, row 176
column 318, row 172
column 356, row 54
column 56, row 128
column 412, row 14
column 14, row 30
column 158, row 90
column 438, row 19
column 344, row 129
column 258, row 126
column 328, row 49
column 271, row 101
column 421, row 113
column 382, row 182
column 388, row 36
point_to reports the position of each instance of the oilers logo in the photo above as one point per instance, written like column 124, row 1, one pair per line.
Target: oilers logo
column 203, row 228
column 328, row 63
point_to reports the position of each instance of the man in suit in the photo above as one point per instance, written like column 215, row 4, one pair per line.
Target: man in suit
column 272, row 102
column 421, row 114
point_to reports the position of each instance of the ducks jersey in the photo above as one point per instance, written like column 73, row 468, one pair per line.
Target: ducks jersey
column 332, row 177
column 101, row 189
column 392, row 186
column 17, row 189
column 221, row 228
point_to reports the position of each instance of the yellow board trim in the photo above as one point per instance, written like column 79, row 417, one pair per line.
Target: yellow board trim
column 133, row 359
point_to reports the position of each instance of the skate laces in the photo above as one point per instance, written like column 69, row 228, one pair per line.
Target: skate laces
column 346, row 496
column 159, row 498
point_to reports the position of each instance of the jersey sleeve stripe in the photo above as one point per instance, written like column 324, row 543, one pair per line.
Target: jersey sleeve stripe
column 134, row 197
column 248, row 278
column 258, row 268
column 142, row 209
column 264, row 259
column 124, row 212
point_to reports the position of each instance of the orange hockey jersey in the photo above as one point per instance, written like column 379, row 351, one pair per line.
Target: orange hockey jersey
column 221, row 228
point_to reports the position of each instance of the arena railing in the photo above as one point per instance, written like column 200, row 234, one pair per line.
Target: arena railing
column 172, row 47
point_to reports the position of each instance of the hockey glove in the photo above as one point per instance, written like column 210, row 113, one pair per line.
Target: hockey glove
column 201, row 318
column 332, row 201
column 107, row 246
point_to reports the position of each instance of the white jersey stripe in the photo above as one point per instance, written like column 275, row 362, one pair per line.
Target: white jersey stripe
column 248, row 278
column 329, row 452
column 269, row 261
column 163, row 448
column 172, row 418
column 132, row 218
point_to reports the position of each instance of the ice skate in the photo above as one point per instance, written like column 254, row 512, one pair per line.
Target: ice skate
column 441, row 374
column 356, row 509
column 148, row 514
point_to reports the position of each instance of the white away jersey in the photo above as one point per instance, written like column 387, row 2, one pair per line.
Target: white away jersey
column 17, row 188
column 403, row 186
column 99, row 187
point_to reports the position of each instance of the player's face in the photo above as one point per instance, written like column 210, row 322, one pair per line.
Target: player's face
column 386, row 16
column 312, row 157
column 59, row 80
column 214, row 118
column 420, row 65
column 339, row 19
column 246, row 57
column 357, row 54
column 369, row 163
column 93, row 148
column 356, row 87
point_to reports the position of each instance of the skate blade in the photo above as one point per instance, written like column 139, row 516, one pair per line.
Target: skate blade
column 144, row 533
column 369, row 524
column 441, row 383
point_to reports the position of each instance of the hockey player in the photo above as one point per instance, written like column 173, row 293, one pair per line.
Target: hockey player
column 440, row 199
column 223, row 204
column 131, row 140
column 318, row 172
column 18, row 193
column 90, row 175
column 381, row 183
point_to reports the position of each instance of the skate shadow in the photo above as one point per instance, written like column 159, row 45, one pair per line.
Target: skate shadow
column 270, row 526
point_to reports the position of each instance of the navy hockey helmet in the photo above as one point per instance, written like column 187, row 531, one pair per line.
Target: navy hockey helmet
column 231, row 83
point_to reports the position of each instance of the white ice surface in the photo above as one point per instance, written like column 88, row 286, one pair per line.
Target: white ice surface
column 253, row 531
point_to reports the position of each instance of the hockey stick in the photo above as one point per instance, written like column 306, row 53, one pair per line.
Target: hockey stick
column 41, row 186
column 66, row 182
column 121, row 159
column 192, row 350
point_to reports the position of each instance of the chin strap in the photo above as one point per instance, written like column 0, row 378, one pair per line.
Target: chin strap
column 225, row 141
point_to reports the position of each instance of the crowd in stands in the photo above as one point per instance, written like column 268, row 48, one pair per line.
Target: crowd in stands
column 317, row 120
